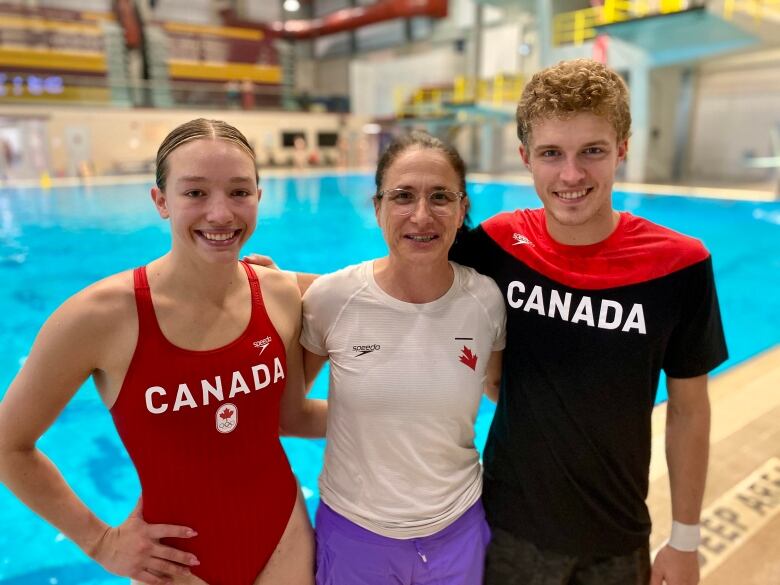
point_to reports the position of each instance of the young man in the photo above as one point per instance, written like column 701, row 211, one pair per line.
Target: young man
column 598, row 303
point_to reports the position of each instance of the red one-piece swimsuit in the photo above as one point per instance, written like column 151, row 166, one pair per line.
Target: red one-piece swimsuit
column 202, row 428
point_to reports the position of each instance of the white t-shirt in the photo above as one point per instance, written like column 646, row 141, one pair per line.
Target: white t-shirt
column 405, row 386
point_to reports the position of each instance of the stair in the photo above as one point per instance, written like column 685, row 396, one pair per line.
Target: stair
column 116, row 64
column 157, row 63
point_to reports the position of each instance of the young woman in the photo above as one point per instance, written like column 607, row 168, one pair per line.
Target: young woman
column 193, row 355
column 413, row 341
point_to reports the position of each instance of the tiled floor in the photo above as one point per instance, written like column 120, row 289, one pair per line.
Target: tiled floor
column 743, row 514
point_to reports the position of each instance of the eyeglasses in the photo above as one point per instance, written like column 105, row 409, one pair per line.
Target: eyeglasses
column 404, row 202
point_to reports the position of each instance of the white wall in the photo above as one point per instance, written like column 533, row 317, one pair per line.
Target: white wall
column 323, row 7
column 193, row 11
column 665, row 87
column 77, row 5
column 267, row 11
column 376, row 78
column 323, row 77
column 332, row 76
column 499, row 50
column 737, row 102
column 380, row 35
column 335, row 44
column 461, row 13
column 121, row 137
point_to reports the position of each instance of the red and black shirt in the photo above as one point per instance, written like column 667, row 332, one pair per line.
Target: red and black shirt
column 589, row 329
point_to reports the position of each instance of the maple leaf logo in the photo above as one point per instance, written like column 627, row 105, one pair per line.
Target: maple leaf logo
column 468, row 358
column 227, row 418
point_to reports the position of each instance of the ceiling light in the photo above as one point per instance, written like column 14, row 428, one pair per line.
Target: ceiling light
column 291, row 5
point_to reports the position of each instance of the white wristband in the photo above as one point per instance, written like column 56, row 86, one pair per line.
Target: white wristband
column 685, row 537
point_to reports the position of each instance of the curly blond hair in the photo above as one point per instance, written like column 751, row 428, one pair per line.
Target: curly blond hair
column 571, row 87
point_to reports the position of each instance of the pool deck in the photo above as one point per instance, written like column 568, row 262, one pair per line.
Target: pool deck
column 752, row 192
column 764, row 192
column 741, row 515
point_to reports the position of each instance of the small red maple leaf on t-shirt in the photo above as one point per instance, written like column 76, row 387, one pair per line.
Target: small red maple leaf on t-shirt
column 468, row 358
column 226, row 414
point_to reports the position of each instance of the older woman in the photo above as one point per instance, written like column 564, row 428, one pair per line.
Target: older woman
column 193, row 354
column 413, row 341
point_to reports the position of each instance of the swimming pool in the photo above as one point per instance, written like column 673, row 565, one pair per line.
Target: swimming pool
column 53, row 243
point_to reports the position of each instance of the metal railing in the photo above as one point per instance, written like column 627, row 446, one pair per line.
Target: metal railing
column 758, row 9
column 94, row 91
column 436, row 101
column 74, row 90
column 578, row 26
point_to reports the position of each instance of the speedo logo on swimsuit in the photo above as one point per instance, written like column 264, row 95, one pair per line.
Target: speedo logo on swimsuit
column 364, row 349
column 227, row 418
column 158, row 399
column 604, row 314
column 521, row 239
column 262, row 344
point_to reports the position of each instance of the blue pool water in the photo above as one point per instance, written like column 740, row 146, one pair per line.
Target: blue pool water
column 56, row 242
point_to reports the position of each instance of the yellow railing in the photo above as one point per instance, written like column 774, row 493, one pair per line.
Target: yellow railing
column 755, row 8
column 421, row 102
column 501, row 89
column 433, row 101
column 36, row 24
column 507, row 89
column 580, row 25
column 41, row 58
column 233, row 32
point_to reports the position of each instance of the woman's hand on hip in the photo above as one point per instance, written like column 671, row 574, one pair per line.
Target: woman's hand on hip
column 133, row 549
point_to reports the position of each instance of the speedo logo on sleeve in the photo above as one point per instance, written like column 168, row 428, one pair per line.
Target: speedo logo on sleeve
column 364, row 349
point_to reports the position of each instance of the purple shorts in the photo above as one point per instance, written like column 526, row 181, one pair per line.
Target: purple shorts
column 348, row 554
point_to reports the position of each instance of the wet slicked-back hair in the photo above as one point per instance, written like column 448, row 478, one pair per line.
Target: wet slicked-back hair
column 196, row 130
column 571, row 87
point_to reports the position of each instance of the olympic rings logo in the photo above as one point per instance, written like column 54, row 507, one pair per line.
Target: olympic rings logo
column 226, row 418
